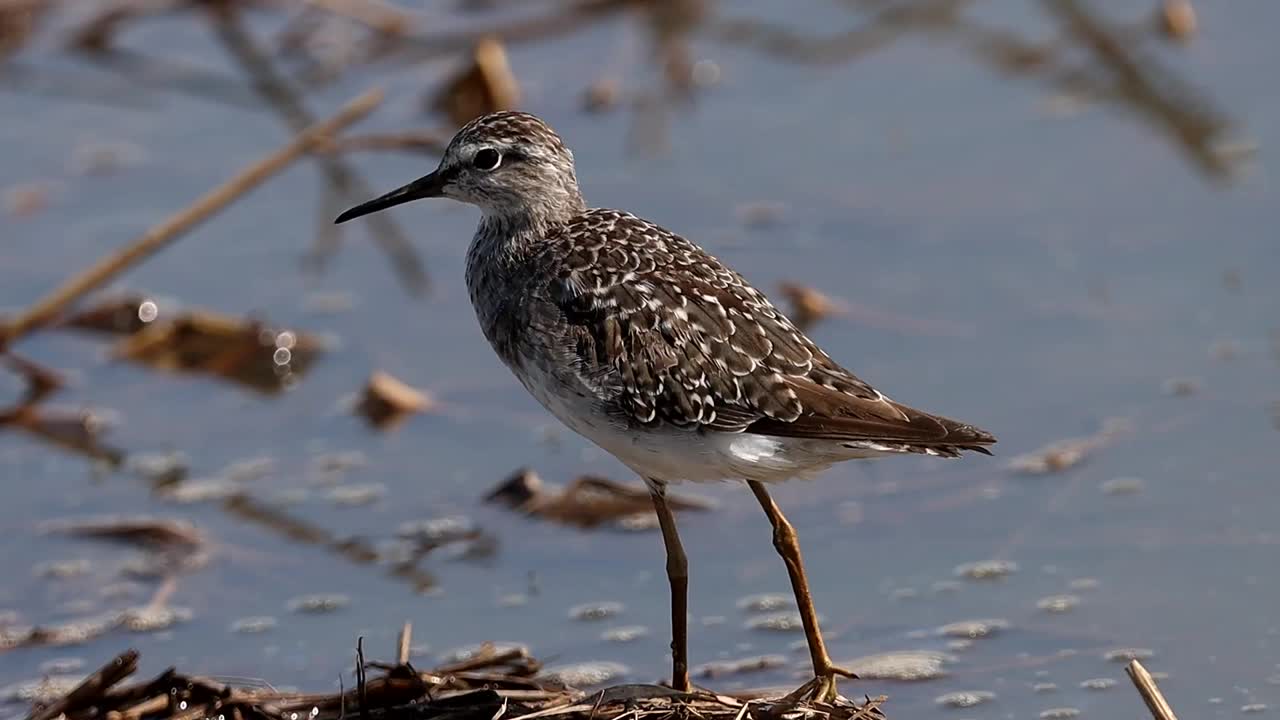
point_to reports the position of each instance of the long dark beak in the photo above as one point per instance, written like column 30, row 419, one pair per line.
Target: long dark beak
column 424, row 187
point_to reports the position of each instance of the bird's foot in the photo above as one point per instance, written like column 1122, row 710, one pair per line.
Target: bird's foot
column 821, row 689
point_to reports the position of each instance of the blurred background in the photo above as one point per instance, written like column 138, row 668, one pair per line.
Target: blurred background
column 1052, row 218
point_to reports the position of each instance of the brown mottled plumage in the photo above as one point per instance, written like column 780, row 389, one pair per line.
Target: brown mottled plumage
column 681, row 339
column 656, row 351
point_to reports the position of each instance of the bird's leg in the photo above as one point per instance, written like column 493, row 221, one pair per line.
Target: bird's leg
column 678, row 575
column 787, row 544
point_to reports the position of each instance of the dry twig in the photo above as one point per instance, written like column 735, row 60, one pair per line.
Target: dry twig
column 347, row 183
column 1151, row 695
column 50, row 306
column 91, row 688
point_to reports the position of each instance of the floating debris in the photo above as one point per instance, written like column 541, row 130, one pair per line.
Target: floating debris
column 357, row 495
column 62, row 570
column 904, row 665
column 587, row 674
column 387, row 400
column 965, row 698
column 75, row 430
column 438, row 530
column 1086, row 583
column 587, row 502
column 1065, row 454
column 725, row 668
column 190, row 492
column 777, row 622
column 123, row 314
column 99, row 157
column 18, row 22
column 766, row 602
column 319, row 603
column 334, row 463
column 512, row 600
column 1066, row 104
column 330, row 303
column 39, row 692
column 484, row 86
column 1059, row 713
column 1126, row 655
column 760, row 215
column 591, row 612
column 973, row 628
column 245, row 352
column 625, row 634
column 148, row 618
column 27, row 199
column 1058, row 603
column 1044, row 687
column 806, row 305
column 160, row 469
column 152, row 618
column 986, row 569
column 637, row 522
column 1122, row 486
column 62, row 666
column 456, row 536
column 946, row 587
column 1177, row 19
column 143, row 531
column 1225, row 350
column 486, row 685
column 1181, row 387
column 250, row 470
column 468, row 653
column 601, row 96
column 1254, row 708
column 1098, row 684
column 253, row 625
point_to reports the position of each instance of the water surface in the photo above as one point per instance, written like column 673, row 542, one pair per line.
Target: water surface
column 1027, row 262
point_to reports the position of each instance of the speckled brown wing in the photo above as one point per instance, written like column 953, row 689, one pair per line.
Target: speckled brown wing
column 674, row 337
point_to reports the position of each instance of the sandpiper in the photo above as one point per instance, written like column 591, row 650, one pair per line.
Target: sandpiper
column 645, row 344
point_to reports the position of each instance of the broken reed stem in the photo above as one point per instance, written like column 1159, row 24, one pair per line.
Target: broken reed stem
column 374, row 14
column 403, row 642
column 345, row 181
column 51, row 305
column 1151, row 695
column 92, row 688
column 361, row 681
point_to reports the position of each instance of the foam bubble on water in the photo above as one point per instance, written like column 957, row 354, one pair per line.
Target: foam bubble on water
column 766, row 602
column 965, row 698
column 588, row 612
column 1058, row 603
column 777, row 622
column 973, row 629
column 986, row 569
column 587, row 674
column 1124, row 655
column 319, row 603
column 626, row 633
column 905, row 665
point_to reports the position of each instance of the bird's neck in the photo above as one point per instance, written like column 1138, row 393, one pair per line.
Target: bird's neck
column 517, row 232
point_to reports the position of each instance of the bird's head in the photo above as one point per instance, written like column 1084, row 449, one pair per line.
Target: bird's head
column 509, row 164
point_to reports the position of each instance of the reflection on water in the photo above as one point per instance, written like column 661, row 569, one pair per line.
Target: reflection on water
column 1036, row 255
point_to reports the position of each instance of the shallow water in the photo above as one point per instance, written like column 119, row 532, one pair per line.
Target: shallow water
column 1028, row 264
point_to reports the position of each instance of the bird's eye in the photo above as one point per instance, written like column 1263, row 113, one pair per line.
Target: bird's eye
column 487, row 159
